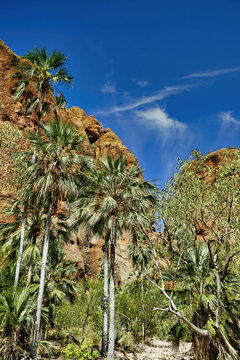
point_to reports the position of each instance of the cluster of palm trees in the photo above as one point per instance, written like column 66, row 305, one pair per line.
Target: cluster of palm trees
column 106, row 197
column 115, row 199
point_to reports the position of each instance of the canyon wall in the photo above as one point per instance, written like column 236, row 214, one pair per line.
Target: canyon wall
column 84, row 250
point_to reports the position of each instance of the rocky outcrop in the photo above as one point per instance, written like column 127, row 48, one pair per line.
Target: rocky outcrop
column 84, row 250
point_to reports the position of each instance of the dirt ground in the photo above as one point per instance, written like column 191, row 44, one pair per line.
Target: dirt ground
column 159, row 350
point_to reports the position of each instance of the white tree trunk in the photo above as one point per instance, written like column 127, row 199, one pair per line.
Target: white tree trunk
column 29, row 277
column 105, row 302
column 111, row 336
column 17, row 272
column 143, row 310
column 41, row 285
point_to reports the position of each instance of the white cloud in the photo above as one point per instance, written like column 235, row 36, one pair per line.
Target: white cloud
column 228, row 118
column 143, row 83
column 109, row 88
column 158, row 119
column 162, row 94
column 211, row 73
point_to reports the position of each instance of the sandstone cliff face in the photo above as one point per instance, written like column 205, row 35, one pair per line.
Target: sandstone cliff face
column 84, row 250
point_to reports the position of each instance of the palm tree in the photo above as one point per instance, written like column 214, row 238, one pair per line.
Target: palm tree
column 53, row 177
column 116, row 196
column 27, row 197
column 16, row 318
column 10, row 232
column 105, row 299
column 42, row 73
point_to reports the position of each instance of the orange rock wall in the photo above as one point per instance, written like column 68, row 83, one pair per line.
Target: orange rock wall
column 83, row 250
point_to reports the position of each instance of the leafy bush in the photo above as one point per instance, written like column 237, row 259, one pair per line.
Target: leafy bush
column 83, row 318
column 81, row 352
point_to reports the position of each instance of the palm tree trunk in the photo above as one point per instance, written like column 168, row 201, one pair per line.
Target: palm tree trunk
column 30, row 268
column 41, row 285
column 111, row 338
column 38, row 123
column 203, row 348
column 40, row 112
column 17, row 272
column 29, row 277
column 143, row 310
column 105, row 302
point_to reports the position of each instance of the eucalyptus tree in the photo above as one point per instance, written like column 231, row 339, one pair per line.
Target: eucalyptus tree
column 116, row 196
column 53, row 177
column 200, row 216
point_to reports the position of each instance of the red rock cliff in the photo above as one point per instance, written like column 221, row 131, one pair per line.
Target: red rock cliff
column 84, row 250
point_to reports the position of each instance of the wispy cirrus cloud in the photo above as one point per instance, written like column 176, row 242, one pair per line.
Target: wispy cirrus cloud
column 109, row 88
column 143, row 83
column 212, row 73
column 158, row 119
column 160, row 95
column 227, row 118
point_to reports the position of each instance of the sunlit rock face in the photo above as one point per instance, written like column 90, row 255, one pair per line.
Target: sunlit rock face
column 84, row 250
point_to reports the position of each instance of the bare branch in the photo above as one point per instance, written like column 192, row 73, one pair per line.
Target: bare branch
column 227, row 233
column 126, row 317
column 173, row 309
column 161, row 309
column 211, row 229
column 227, row 265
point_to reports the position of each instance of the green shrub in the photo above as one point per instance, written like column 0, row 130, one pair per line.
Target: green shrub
column 82, row 352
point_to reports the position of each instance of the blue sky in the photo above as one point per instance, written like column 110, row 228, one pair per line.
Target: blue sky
column 164, row 75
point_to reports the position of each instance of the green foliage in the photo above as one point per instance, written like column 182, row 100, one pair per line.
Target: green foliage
column 42, row 73
column 83, row 317
column 82, row 352
column 200, row 211
column 10, row 144
column 17, row 309
column 129, row 312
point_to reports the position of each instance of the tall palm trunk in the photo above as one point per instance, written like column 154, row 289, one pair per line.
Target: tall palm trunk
column 26, row 205
column 41, row 285
column 38, row 123
column 30, row 268
column 143, row 310
column 40, row 112
column 29, row 277
column 105, row 302
column 111, row 337
column 17, row 272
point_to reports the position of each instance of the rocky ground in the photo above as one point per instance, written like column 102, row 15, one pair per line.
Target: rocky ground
column 159, row 350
